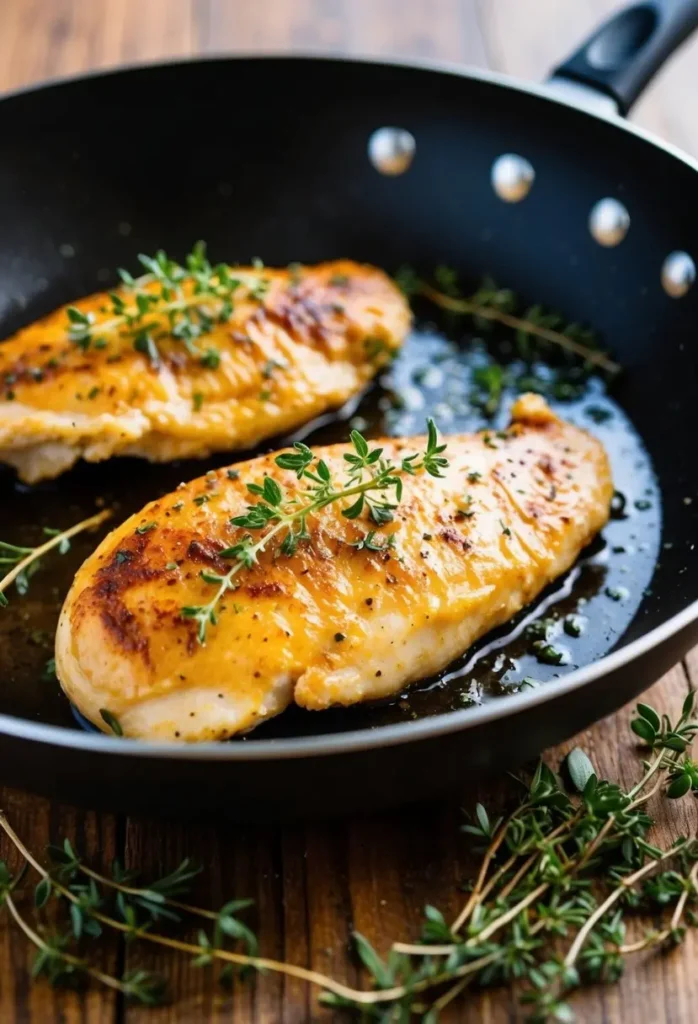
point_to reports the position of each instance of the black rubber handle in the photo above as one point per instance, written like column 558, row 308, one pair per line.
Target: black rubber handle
column 625, row 53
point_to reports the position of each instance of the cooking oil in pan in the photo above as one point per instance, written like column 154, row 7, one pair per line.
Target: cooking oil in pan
column 581, row 616
column 575, row 622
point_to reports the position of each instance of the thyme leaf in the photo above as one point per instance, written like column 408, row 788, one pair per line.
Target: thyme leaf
column 170, row 300
column 560, row 882
column 24, row 560
column 372, row 485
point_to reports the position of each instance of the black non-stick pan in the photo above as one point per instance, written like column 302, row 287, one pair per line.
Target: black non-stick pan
column 286, row 158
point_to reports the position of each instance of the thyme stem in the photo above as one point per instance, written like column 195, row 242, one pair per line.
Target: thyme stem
column 657, row 938
column 484, row 868
column 555, row 838
column 455, row 305
column 105, row 979
column 286, row 514
column 131, row 890
column 613, row 897
column 36, row 553
column 241, row 959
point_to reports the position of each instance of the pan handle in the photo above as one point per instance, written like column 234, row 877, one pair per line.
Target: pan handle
column 624, row 54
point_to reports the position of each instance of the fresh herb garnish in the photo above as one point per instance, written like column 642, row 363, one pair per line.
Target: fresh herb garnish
column 547, row 653
column 490, row 382
column 170, row 300
column 561, row 880
column 372, row 481
column 25, row 561
column 211, row 359
column 112, row 721
column 573, row 625
column 491, row 303
column 369, row 543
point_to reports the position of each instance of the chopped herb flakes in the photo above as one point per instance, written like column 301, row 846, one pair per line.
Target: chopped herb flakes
column 548, row 654
column 112, row 721
column 211, row 359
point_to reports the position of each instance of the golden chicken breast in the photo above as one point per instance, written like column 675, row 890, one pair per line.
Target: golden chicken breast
column 186, row 361
column 325, row 577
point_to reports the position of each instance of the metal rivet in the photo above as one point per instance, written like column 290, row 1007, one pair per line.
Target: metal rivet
column 391, row 150
column 678, row 274
column 512, row 177
column 609, row 222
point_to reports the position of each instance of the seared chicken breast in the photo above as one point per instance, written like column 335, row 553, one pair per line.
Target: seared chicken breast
column 165, row 371
column 365, row 599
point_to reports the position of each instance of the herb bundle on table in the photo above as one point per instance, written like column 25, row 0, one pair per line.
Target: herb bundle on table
column 561, row 882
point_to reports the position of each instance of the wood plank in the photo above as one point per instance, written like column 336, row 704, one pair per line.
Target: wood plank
column 654, row 988
column 313, row 884
column 93, row 835
column 371, row 27
column 316, row 883
column 40, row 40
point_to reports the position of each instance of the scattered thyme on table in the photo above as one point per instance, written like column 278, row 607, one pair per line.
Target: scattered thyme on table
column 561, row 881
column 374, row 482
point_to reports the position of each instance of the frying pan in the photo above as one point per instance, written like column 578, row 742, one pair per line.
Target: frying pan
column 271, row 156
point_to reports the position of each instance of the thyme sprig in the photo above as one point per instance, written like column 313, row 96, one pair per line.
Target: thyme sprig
column 372, row 481
column 25, row 560
column 170, row 300
column 562, row 871
column 493, row 304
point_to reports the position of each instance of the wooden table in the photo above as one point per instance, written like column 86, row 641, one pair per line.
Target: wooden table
column 313, row 884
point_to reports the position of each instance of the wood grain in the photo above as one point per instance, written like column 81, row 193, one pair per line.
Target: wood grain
column 38, row 822
column 314, row 884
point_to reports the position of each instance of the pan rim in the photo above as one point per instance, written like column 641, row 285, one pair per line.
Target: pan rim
column 389, row 735
column 359, row 739
column 543, row 90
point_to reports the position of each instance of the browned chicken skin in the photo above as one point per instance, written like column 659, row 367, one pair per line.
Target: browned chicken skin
column 303, row 343
column 337, row 621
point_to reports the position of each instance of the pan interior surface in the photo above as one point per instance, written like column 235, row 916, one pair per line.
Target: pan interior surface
column 305, row 190
column 585, row 612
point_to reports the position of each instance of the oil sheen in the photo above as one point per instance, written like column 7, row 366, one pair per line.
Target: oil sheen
column 573, row 623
